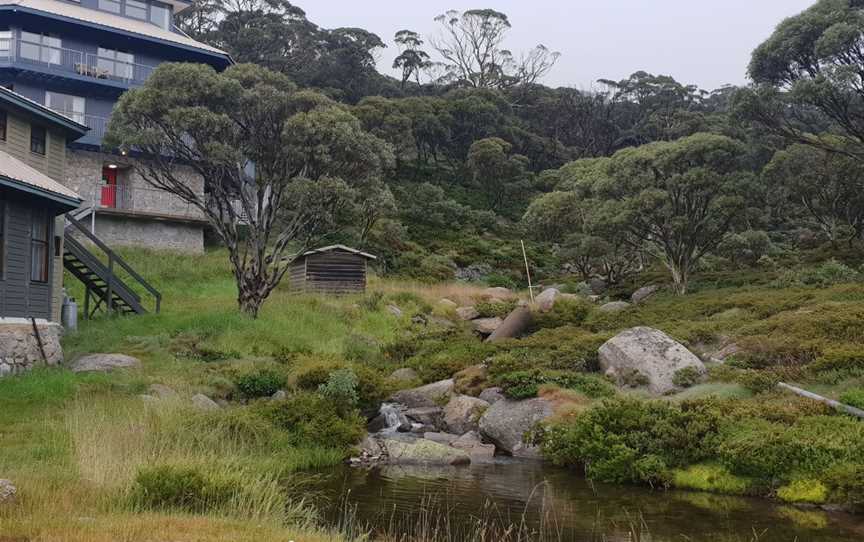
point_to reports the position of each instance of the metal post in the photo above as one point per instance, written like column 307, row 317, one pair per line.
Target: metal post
column 86, row 302
column 528, row 272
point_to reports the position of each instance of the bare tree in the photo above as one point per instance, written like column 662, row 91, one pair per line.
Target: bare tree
column 471, row 44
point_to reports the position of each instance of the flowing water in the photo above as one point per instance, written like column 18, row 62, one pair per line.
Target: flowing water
column 563, row 506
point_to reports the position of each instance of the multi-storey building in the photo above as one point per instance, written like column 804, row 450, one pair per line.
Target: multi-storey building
column 77, row 57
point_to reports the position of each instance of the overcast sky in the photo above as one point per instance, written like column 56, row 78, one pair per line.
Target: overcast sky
column 696, row 41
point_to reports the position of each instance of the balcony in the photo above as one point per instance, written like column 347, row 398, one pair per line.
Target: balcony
column 78, row 64
column 143, row 202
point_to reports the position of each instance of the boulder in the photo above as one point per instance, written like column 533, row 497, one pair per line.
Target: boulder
column 103, row 363
column 394, row 310
column 546, row 300
column 467, row 313
column 597, row 286
column 643, row 293
column 161, row 391
column 429, row 395
column 498, row 293
column 720, row 356
column 513, row 326
column 462, row 414
column 447, row 303
column 440, row 438
column 506, row 422
column 377, row 424
column 471, row 380
column 487, row 326
column 202, row 402
column 406, row 374
column 428, row 416
column 473, row 444
column 371, row 446
column 491, row 395
column 423, row 452
column 615, row 306
column 280, row 395
column 650, row 353
column 7, row 491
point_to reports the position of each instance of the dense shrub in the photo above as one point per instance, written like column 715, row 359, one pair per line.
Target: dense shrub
column 526, row 384
column 341, row 388
column 313, row 419
column 745, row 249
column 440, row 358
column 853, row 397
column 491, row 309
column 566, row 312
column 565, row 348
column 687, row 377
column 261, row 383
column 710, row 477
column 846, row 484
column 628, row 440
column 827, row 274
column 772, row 451
column 805, row 490
column 180, row 488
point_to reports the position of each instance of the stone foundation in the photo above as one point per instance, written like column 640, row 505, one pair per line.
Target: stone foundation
column 19, row 349
column 142, row 232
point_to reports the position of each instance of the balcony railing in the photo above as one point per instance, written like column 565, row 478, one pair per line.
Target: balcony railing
column 64, row 60
column 142, row 200
column 98, row 125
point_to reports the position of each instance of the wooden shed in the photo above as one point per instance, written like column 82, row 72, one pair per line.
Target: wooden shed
column 333, row 269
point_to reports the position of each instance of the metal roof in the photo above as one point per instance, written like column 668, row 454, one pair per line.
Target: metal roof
column 331, row 248
column 17, row 174
column 111, row 21
column 49, row 115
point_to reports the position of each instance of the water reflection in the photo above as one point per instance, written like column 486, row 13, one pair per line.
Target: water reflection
column 561, row 505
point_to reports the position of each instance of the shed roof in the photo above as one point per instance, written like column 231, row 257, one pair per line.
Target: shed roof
column 333, row 248
column 111, row 21
column 16, row 174
column 75, row 129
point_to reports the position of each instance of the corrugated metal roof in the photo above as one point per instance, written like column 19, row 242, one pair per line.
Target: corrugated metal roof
column 16, row 170
column 110, row 20
column 331, row 248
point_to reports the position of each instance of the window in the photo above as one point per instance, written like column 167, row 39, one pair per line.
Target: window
column 116, row 63
column 136, row 9
column 38, row 139
column 3, row 120
column 39, row 232
column 71, row 106
column 41, row 48
column 110, row 5
column 160, row 16
column 5, row 43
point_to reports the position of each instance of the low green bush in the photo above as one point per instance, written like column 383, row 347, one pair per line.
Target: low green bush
column 261, row 383
column 314, row 419
column 341, row 388
column 687, row 377
column 441, row 359
column 827, row 274
column 565, row 348
column 803, row 491
column 565, row 312
column 853, row 397
column 710, row 477
column 495, row 308
column 186, row 489
column 526, row 384
column 846, row 485
column 629, row 440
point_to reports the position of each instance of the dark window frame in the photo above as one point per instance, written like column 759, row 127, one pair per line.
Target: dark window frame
column 38, row 146
column 4, row 125
column 41, row 274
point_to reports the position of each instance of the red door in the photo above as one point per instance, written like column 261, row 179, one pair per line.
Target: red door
column 109, row 189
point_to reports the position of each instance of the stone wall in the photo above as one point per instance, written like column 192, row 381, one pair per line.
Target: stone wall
column 143, row 215
column 19, row 348
column 158, row 234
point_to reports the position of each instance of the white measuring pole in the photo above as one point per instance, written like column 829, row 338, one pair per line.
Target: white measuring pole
column 527, row 272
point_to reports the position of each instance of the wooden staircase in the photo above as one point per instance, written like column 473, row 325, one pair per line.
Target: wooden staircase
column 103, row 287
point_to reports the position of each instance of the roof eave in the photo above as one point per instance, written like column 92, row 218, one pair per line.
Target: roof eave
column 70, row 126
column 64, row 201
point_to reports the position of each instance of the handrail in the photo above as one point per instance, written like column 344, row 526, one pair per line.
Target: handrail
column 112, row 258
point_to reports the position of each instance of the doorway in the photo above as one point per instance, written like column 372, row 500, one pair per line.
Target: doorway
column 109, row 186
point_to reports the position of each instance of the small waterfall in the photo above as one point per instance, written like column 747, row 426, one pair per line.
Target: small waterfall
column 393, row 415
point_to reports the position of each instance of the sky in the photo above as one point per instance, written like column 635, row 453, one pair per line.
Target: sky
column 702, row 42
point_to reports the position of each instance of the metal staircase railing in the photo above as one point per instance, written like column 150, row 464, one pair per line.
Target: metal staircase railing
column 100, row 279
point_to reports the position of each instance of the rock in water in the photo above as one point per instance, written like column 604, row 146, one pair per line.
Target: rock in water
column 546, row 300
column 423, row 452
column 647, row 352
column 643, row 293
column 103, row 363
column 487, row 326
column 430, row 395
column 427, row 416
column 513, row 326
column 615, row 306
column 462, row 414
column 7, row 491
column 440, row 438
column 471, row 443
column 506, row 422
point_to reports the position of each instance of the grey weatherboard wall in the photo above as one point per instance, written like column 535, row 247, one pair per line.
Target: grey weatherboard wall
column 335, row 271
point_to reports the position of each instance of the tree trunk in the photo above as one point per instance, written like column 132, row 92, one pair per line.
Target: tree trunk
column 680, row 278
